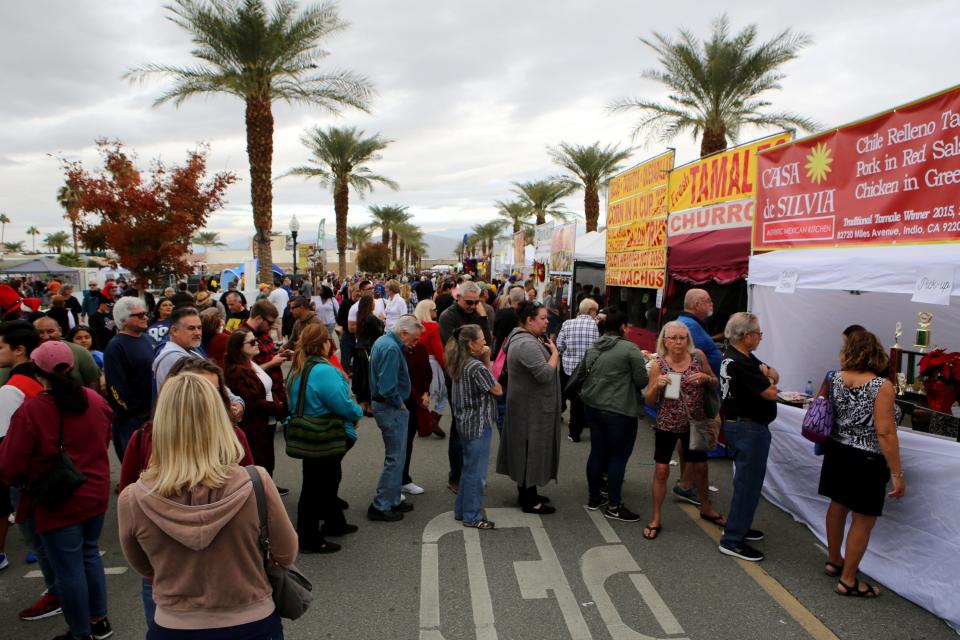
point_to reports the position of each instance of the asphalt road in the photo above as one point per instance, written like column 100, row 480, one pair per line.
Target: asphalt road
column 568, row 575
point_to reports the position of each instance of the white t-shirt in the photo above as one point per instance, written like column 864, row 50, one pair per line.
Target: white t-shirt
column 279, row 297
column 379, row 309
column 395, row 308
column 267, row 383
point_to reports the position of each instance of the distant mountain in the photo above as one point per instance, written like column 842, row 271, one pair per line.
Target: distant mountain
column 438, row 246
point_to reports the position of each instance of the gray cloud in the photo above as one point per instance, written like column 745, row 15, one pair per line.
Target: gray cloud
column 472, row 93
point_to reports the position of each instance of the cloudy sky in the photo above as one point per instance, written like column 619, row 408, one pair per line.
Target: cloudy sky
column 471, row 92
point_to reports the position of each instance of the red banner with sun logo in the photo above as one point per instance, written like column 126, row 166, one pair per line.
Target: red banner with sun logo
column 893, row 178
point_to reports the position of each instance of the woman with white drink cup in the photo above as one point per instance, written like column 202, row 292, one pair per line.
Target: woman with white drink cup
column 678, row 376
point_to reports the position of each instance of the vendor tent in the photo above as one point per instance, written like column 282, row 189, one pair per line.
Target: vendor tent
column 591, row 248
column 869, row 286
column 234, row 274
column 914, row 548
column 41, row 265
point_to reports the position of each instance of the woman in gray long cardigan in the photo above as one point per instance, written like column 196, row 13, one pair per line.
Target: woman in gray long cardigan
column 530, row 442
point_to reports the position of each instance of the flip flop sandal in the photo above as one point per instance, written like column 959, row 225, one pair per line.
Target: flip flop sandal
column 833, row 570
column 717, row 519
column 654, row 532
column 480, row 524
column 854, row 591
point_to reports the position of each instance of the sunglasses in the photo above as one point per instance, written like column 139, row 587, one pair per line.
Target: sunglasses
column 675, row 338
column 139, row 314
column 471, row 303
column 250, row 342
column 294, row 306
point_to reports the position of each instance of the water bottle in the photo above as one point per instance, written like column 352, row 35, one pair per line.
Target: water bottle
column 809, row 389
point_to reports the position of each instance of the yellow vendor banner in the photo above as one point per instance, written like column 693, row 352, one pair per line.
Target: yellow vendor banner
column 722, row 177
column 637, row 225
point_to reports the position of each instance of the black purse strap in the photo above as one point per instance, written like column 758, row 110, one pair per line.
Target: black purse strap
column 264, row 537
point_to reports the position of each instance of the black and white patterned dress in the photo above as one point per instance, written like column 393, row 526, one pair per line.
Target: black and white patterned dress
column 854, row 471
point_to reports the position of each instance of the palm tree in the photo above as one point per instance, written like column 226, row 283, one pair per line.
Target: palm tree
column 382, row 217
column 516, row 213
column 416, row 250
column 56, row 241
column 13, row 247
column 487, row 234
column 542, row 197
column 590, row 168
column 358, row 235
column 208, row 239
column 339, row 157
column 386, row 217
column 402, row 218
column 33, row 231
column 261, row 56
column 715, row 85
column 4, row 221
column 68, row 198
column 406, row 234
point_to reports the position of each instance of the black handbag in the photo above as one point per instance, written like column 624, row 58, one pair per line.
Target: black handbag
column 292, row 591
column 55, row 486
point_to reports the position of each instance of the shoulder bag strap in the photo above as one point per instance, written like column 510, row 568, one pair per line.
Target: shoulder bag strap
column 302, row 391
column 264, row 537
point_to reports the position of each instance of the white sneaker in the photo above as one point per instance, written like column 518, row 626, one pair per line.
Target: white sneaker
column 411, row 488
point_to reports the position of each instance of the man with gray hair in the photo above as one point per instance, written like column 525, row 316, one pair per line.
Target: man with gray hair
column 749, row 392
column 185, row 335
column 389, row 388
column 127, row 358
column 468, row 309
column 575, row 337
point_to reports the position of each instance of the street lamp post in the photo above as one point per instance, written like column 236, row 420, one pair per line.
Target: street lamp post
column 294, row 229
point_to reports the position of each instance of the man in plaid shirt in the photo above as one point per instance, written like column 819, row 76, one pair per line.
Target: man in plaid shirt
column 576, row 336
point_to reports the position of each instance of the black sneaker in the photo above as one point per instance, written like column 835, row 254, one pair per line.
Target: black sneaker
column 621, row 513
column 754, row 535
column 383, row 516
column 343, row 504
column 595, row 503
column 101, row 629
column 319, row 547
column 403, row 507
column 742, row 551
column 347, row 529
column 283, row 491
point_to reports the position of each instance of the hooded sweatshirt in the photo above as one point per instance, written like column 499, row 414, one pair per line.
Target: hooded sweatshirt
column 202, row 552
column 616, row 376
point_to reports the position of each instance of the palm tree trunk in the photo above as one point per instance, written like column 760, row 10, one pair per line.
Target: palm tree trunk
column 259, row 122
column 385, row 234
column 341, row 204
column 393, row 246
column 591, row 206
column 73, row 228
column 541, row 218
column 713, row 140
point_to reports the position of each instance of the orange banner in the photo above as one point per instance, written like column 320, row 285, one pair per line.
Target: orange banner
column 636, row 253
column 722, row 177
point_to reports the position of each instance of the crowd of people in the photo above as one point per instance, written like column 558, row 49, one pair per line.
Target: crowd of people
column 191, row 387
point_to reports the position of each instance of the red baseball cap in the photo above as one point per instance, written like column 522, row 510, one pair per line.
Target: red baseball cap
column 9, row 299
column 52, row 354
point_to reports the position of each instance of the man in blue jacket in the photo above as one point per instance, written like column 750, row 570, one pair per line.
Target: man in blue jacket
column 697, row 307
column 389, row 388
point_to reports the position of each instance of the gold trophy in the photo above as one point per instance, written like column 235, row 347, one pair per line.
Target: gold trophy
column 897, row 332
column 924, row 318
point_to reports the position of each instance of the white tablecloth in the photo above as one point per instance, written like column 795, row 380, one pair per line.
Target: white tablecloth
column 915, row 546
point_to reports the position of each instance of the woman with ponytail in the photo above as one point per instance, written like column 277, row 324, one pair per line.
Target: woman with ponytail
column 468, row 363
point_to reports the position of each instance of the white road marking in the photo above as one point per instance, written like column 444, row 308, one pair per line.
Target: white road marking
column 606, row 531
column 600, row 563
column 479, row 588
column 110, row 571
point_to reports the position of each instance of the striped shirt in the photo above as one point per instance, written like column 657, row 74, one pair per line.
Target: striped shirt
column 473, row 404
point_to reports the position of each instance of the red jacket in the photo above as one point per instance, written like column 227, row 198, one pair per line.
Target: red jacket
column 31, row 443
column 430, row 338
column 217, row 348
column 137, row 455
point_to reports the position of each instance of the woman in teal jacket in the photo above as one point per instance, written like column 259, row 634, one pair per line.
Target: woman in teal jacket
column 328, row 392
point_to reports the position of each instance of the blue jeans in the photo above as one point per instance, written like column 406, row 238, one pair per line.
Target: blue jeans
column 270, row 628
column 612, row 436
column 123, row 429
column 74, row 553
column 749, row 443
column 393, row 426
column 476, row 458
column 149, row 606
column 29, row 530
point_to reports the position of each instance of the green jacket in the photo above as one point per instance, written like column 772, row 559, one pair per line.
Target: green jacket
column 616, row 376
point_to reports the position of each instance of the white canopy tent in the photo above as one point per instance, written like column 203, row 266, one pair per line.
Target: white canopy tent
column 870, row 286
column 591, row 247
column 915, row 546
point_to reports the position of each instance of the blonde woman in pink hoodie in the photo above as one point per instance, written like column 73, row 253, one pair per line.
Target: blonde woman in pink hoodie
column 190, row 523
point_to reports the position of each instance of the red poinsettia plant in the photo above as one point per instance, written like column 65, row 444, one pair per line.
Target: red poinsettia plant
column 941, row 365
